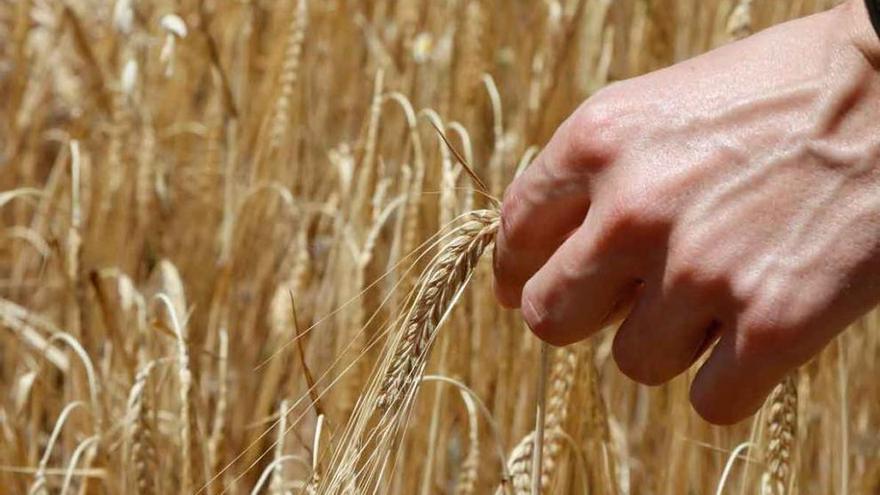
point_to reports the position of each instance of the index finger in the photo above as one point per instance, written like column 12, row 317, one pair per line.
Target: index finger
column 545, row 203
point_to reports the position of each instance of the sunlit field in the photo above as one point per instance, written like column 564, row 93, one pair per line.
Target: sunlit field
column 245, row 247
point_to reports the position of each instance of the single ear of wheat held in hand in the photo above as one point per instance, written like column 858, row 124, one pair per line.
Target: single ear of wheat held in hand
column 444, row 280
column 385, row 405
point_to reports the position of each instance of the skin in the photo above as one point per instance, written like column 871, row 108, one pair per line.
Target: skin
column 730, row 202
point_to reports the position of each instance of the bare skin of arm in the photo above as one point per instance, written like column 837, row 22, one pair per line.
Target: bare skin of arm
column 732, row 199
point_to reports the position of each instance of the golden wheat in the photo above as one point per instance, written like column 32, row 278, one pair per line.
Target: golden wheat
column 238, row 238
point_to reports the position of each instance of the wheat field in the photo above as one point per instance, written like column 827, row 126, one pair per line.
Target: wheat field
column 239, row 253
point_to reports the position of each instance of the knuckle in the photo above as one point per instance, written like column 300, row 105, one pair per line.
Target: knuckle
column 685, row 273
column 636, row 217
column 591, row 133
column 764, row 331
column 620, row 217
column 601, row 111
column 692, row 263
column 645, row 204
column 692, row 271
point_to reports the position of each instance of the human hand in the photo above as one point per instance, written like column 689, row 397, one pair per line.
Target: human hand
column 735, row 195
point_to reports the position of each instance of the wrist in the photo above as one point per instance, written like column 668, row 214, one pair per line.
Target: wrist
column 856, row 21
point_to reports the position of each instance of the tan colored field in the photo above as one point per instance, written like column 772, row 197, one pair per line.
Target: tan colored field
column 237, row 257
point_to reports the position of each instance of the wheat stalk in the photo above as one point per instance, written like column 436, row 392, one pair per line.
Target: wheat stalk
column 277, row 480
column 215, row 440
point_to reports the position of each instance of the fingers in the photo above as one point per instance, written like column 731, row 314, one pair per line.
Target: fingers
column 544, row 205
column 664, row 334
column 578, row 289
column 518, row 255
column 731, row 386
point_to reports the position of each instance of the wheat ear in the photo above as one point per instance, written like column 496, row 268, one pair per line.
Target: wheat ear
column 398, row 380
column 467, row 478
column 289, row 74
column 781, row 431
column 521, row 461
column 444, row 279
column 141, row 449
column 739, row 24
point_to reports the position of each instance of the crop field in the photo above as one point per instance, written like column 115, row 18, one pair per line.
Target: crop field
column 245, row 247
